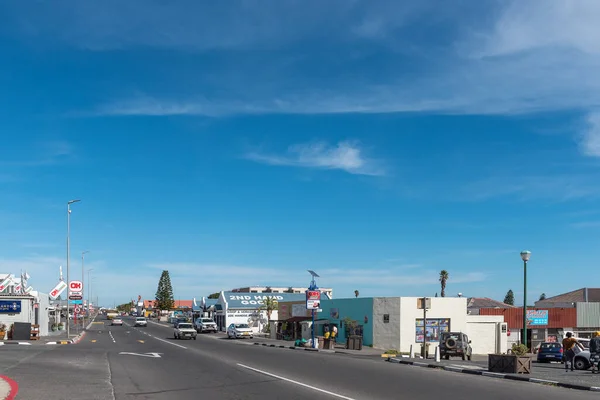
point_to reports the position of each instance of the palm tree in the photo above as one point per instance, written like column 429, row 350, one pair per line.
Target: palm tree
column 269, row 305
column 443, row 279
column 356, row 293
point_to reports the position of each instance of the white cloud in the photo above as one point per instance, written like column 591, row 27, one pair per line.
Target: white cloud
column 591, row 136
column 346, row 156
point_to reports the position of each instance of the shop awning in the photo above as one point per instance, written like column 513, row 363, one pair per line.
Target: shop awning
column 298, row 319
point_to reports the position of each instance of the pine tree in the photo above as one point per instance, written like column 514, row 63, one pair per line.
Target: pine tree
column 164, row 293
column 509, row 298
column 543, row 296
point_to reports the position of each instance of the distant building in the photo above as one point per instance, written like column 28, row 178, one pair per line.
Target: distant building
column 474, row 304
column 570, row 299
column 280, row 289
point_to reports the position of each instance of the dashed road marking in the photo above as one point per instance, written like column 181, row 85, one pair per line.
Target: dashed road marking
column 141, row 341
column 93, row 340
column 112, row 337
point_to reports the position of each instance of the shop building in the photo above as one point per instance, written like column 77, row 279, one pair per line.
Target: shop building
column 32, row 308
column 247, row 308
column 397, row 322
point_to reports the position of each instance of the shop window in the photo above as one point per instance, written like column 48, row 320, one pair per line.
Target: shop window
column 386, row 318
column 433, row 329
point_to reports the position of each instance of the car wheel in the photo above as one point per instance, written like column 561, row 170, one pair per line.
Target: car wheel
column 194, row 337
column 581, row 363
column 447, row 357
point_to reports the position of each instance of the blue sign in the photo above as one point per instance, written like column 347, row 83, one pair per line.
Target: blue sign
column 10, row 307
column 537, row 317
column 76, row 301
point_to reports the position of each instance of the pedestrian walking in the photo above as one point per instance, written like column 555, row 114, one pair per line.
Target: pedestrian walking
column 334, row 330
column 595, row 353
column 569, row 348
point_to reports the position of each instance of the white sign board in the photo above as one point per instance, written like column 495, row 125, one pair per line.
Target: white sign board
column 58, row 289
column 299, row 310
column 75, row 286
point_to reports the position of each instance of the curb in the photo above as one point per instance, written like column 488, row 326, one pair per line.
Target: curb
column 76, row 340
column 495, row 375
column 280, row 346
column 18, row 343
column 14, row 388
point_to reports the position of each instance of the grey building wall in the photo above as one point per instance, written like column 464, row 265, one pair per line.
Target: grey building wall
column 588, row 315
column 386, row 335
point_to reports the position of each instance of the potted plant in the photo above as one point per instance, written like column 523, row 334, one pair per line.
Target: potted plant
column 517, row 362
column 2, row 330
column 353, row 335
column 54, row 327
column 61, row 326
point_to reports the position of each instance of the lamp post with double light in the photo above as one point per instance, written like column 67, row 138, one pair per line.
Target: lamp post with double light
column 525, row 255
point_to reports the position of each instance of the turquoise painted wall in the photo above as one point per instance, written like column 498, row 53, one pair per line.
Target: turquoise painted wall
column 356, row 308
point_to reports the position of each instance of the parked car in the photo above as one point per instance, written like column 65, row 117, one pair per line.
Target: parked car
column 455, row 344
column 237, row 331
column 550, row 351
column 117, row 321
column 185, row 330
column 205, row 325
column 140, row 321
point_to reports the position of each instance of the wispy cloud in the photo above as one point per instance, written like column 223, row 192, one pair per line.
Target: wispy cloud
column 586, row 224
column 591, row 136
column 346, row 156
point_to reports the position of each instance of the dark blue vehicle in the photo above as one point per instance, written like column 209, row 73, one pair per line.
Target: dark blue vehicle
column 550, row 351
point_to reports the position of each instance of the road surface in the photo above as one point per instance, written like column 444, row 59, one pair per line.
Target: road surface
column 123, row 362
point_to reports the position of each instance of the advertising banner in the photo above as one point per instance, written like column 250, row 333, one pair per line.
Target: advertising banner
column 313, row 299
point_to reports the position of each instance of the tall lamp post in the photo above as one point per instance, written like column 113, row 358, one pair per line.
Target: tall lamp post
column 525, row 255
column 313, row 287
column 83, row 286
column 68, row 258
column 89, row 297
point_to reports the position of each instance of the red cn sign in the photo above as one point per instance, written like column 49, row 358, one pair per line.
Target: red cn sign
column 313, row 299
column 75, row 286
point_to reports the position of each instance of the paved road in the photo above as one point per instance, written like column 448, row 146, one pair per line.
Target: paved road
column 213, row 367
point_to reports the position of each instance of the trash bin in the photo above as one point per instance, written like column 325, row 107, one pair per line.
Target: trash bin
column 321, row 342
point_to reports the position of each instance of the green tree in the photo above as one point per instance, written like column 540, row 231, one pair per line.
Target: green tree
column 269, row 305
column 290, row 290
column 543, row 296
column 356, row 293
column 164, row 292
column 214, row 295
column 509, row 298
column 443, row 280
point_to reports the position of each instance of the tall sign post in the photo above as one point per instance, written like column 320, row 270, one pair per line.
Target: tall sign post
column 313, row 303
column 424, row 303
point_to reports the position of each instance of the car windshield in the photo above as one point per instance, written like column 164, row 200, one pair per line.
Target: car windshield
column 207, row 320
column 241, row 325
column 185, row 326
column 140, row 319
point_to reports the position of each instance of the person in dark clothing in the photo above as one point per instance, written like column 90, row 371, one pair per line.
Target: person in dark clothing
column 569, row 344
column 595, row 353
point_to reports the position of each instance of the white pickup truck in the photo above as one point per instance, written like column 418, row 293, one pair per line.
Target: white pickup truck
column 185, row 330
column 205, row 325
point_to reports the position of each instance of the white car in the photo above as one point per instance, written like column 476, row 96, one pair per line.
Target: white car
column 140, row 321
column 206, row 325
column 185, row 330
column 237, row 331
column 117, row 321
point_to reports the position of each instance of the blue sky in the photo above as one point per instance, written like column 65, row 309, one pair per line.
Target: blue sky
column 375, row 142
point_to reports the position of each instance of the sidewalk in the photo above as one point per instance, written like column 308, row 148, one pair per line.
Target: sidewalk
column 549, row 374
column 338, row 348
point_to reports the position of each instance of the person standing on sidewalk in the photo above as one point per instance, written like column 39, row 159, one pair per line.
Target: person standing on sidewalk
column 569, row 344
column 595, row 353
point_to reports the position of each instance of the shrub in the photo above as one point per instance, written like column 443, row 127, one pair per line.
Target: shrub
column 518, row 349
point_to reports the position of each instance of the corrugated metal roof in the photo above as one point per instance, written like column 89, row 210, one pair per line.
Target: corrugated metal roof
column 486, row 302
column 557, row 317
column 575, row 296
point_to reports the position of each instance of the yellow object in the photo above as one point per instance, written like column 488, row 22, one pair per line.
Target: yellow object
column 326, row 335
column 332, row 335
column 597, row 334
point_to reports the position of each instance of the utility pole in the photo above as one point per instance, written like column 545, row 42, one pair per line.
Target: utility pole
column 68, row 258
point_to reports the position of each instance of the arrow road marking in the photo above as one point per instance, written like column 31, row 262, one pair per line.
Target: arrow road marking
column 151, row 355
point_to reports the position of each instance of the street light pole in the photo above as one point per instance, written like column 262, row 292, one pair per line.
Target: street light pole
column 525, row 255
column 89, row 296
column 83, row 286
column 68, row 258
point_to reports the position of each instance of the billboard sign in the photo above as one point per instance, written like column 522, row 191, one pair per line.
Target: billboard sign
column 537, row 317
column 10, row 306
column 58, row 289
column 313, row 299
column 6, row 283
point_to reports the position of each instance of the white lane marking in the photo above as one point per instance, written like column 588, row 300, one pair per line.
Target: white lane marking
column 151, row 355
column 339, row 396
column 166, row 341
column 112, row 337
